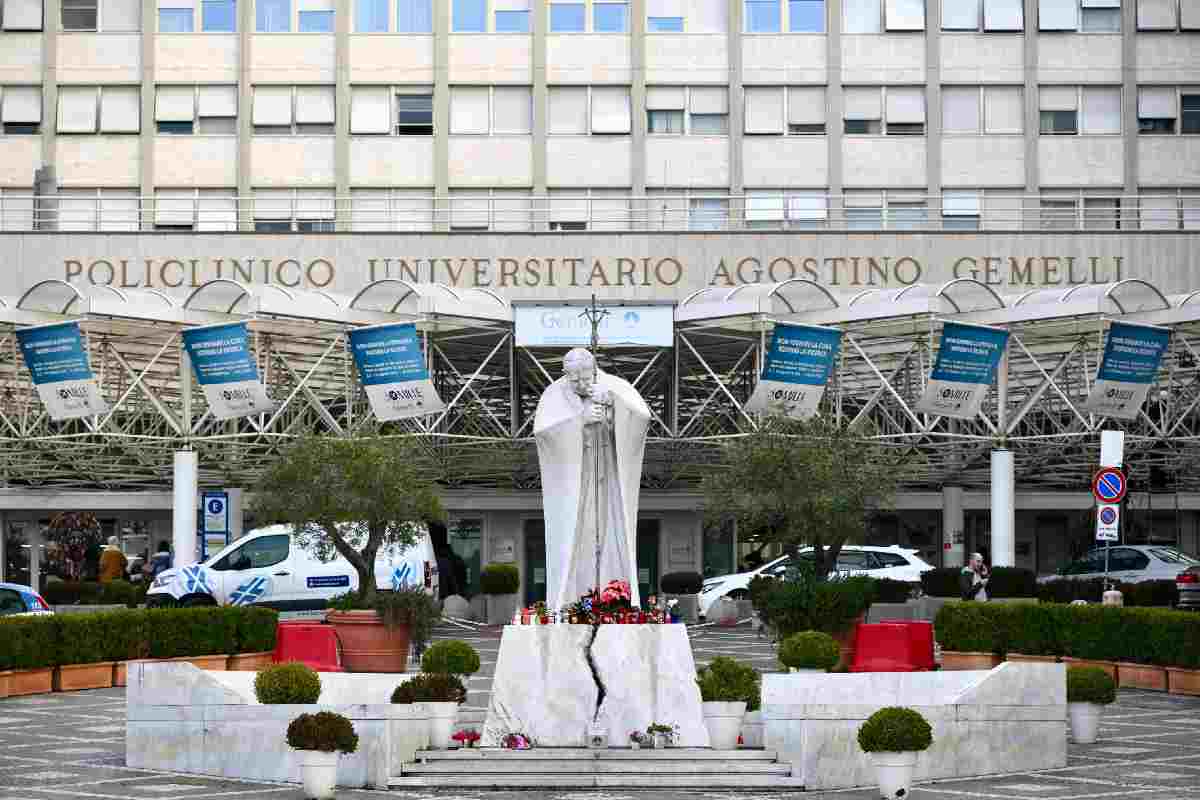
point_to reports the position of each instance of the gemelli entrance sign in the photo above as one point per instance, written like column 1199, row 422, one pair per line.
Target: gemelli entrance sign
column 225, row 369
column 796, row 371
column 392, row 369
column 58, row 363
column 964, row 370
column 1130, row 364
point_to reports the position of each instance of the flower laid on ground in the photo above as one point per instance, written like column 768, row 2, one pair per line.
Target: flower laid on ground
column 517, row 741
column 467, row 737
column 637, row 737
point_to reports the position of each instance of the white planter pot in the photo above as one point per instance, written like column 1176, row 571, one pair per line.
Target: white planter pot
column 442, row 717
column 894, row 772
column 1085, row 721
column 319, row 771
column 724, row 723
column 807, row 670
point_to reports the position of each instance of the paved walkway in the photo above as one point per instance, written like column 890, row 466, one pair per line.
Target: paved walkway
column 72, row 747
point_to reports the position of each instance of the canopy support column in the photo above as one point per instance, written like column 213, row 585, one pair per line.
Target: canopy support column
column 183, row 507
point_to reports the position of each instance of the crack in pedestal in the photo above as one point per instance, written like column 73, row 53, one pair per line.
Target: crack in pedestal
column 600, row 692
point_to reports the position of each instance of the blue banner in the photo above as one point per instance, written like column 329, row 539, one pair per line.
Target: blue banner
column 797, row 367
column 964, row 370
column 58, row 364
column 391, row 366
column 1132, row 356
column 225, row 368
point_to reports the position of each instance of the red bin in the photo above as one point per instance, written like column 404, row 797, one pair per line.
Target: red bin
column 311, row 643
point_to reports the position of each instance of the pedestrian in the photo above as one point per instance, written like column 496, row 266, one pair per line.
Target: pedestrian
column 112, row 561
column 161, row 560
column 973, row 579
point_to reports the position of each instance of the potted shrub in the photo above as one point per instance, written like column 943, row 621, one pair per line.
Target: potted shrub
column 500, row 584
column 661, row 735
column 291, row 683
column 442, row 694
column 894, row 737
column 1089, row 689
column 804, row 602
column 376, row 635
column 321, row 738
column 726, row 688
column 685, row 588
column 30, row 642
column 809, row 651
column 357, row 497
column 451, row 657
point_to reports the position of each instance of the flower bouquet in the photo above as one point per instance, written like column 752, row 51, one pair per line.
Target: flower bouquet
column 517, row 741
column 467, row 737
column 638, row 739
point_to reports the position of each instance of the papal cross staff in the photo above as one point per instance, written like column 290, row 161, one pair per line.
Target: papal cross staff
column 595, row 315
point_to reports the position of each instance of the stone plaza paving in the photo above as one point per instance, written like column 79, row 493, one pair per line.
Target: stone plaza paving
column 71, row 746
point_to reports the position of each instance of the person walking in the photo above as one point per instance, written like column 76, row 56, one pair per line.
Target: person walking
column 160, row 560
column 112, row 561
column 973, row 579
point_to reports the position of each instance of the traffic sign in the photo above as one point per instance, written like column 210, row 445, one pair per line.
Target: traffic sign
column 1109, row 485
column 1108, row 522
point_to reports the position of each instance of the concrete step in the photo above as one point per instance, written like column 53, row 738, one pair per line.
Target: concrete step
column 578, row 766
column 533, row 780
column 585, row 754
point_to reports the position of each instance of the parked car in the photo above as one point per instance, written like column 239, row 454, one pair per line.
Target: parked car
column 1128, row 563
column 1188, row 584
column 21, row 601
column 268, row 567
column 894, row 562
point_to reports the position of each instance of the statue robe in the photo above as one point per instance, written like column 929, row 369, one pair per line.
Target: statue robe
column 571, row 454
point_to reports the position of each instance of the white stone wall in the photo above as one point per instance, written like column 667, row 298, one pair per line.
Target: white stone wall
column 100, row 58
column 199, row 57
column 195, row 161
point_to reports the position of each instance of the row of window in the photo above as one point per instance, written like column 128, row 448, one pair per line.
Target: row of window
column 279, row 210
column 606, row 16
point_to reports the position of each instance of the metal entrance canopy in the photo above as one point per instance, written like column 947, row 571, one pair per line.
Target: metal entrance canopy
column 696, row 390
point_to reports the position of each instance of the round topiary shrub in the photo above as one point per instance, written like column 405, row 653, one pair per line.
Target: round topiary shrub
column 895, row 730
column 291, row 682
column 499, row 579
column 810, row 650
column 681, row 583
column 451, row 656
column 1090, row 685
column 324, row 731
column 728, row 681
column 430, row 687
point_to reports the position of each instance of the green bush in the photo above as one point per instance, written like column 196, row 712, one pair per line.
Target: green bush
column 430, row 687
column 728, row 681
column 119, row 592
column 70, row 593
column 895, row 730
column 941, row 582
column 1090, row 685
column 1160, row 594
column 892, row 591
column 256, row 630
column 759, row 588
column 288, row 683
column 450, row 656
column 1067, row 590
column 681, row 583
column 500, row 579
column 324, row 731
column 1005, row 582
column 810, row 650
column 80, row 638
column 803, row 603
column 28, row 642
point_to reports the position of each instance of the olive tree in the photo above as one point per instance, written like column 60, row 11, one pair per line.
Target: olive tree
column 352, row 496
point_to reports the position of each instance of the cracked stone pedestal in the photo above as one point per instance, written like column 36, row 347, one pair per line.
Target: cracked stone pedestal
column 544, row 686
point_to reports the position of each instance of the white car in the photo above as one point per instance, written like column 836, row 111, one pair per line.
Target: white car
column 267, row 567
column 1128, row 563
column 894, row 562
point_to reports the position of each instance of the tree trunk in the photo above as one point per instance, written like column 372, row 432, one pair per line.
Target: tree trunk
column 366, row 584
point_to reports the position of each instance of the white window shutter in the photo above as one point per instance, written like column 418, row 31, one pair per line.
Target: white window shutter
column 905, row 15
column 512, row 110
column 1003, row 109
column 216, row 210
column 368, row 208
column 610, row 210
column 469, row 210
column 1003, row 15
column 22, row 104
column 412, row 210
column 905, row 104
column 568, row 111
column 764, row 109
column 78, row 209
column 369, row 109
column 510, row 5
column 665, row 98
column 512, row 210
column 808, row 205
column 218, row 101
column 960, row 15
column 315, row 204
column 174, row 207
column 862, row 102
column 960, row 109
column 77, row 109
column 273, row 204
column 1058, row 15
column 1100, row 3
column 120, row 109
column 1157, row 14
column 469, row 109
column 1159, row 212
column 610, row 109
column 119, row 210
column 314, row 5
column 806, row 105
column 314, row 105
column 709, row 100
column 960, row 204
column 665, row 8
column 764, row 206
column 175, row 104
column 22, row 15
column 1157, row 102
column 1101, row 110
column 707, row 16
column 1058, row 98
column 568, row 205
column 120, row 15
column 863, row 200
column 861, row 16
column 272, row 105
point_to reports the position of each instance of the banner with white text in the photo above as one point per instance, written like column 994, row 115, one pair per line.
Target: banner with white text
column 393, row 372
column 58, row 363
column 964, row 371
column 226, row 370
column 796, row 370
column 1132, row 355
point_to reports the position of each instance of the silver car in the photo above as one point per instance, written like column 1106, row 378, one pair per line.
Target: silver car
column 1188, row 584
column 1129, row 563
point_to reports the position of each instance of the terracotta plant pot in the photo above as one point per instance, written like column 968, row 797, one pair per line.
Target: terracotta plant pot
column 74, row 677
column 1179, row 681
column 249, row 662
column 1141, row 676
column 119, row 673
column 215, row 663
column 1109, row 667
column 1021, row 657
column 367, row 644
column 30, row 681
column 953, row 661
column 4, row 676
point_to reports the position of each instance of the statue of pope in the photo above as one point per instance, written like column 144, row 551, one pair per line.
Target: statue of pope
column 591, row 435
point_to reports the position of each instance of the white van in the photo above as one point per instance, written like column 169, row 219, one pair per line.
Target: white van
column 267, row 567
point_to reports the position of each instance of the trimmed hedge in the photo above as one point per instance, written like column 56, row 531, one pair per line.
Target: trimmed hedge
column 1095, row 633
column 681, row 583
column 1090, row 685
column 1138, row 595
column 500, row 579
column 888, row 590
column 50, row 641
column 1003, row 582
column 289, row 683
column 895, row 730
column 806, row 604
column 451, row 656
column 810, row 650
column 941, row 582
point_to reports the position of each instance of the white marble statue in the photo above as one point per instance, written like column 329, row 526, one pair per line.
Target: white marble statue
column 591, row 435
